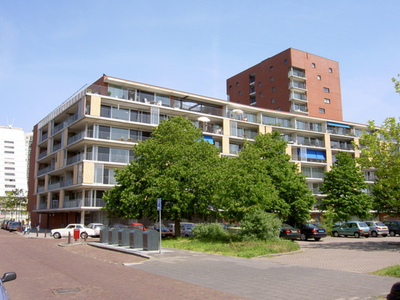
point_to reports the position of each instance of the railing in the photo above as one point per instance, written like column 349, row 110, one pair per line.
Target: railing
column 74, row 159
column 43, row 154
column 43, row 137
column 72, row 203
column 57, row 147
column 46, row 170
column 40, row 189
column 53, row 186
column 97, row 202
column 295, row 84
column 297, row 73
column 42, row 205
column 297, row 157
column 67, row 182
column 76, row 137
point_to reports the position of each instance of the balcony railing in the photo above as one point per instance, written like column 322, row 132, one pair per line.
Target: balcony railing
column 74, row 159
column 43, row 154
column 97, row 202
column 46, row 170
column 43, row 137
column 40, row 189
column 42, row 205
column 56, row 147
column 76, row 137
column 297, row 73
column 73, row 203
column 298, row 85
column 53, row 186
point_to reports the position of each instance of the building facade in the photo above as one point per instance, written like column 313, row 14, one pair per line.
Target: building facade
column 13, row 166
column 78, row 146
column 291, row 81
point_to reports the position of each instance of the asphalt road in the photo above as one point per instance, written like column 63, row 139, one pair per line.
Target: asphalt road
column 47, row 271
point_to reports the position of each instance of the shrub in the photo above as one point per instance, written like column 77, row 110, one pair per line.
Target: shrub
column 259, row 225
column 212, row 231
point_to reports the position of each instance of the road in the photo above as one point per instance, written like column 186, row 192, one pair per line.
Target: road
column 47, row 271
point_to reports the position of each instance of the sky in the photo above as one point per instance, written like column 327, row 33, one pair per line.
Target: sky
column 50, row 49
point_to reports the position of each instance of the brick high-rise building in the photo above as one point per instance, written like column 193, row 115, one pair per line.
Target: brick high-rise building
column 291, row 81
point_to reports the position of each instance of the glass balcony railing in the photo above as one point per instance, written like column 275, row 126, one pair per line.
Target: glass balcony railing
column 46, row 170
column 76, row 137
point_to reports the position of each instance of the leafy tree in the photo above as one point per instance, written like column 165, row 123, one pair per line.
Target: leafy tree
column 176, row 165
column 396, row 84
column 263, row 177
column 259, row 225
column 381, row 150
column 16, row 201
column 343, row 186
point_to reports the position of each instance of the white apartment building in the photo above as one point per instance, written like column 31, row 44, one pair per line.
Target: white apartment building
column 77, row 147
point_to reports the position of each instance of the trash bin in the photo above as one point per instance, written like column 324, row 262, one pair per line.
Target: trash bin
column 151, row 240
column 136, row 238
column 76, row 233
column 104, row 235
column 123, row 237
column 113, row 236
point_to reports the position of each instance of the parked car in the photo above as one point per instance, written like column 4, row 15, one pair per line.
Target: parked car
column 394, row 227
column 138, row 226
column 354, row 228
column 289, row 232
column 97, row 227
column 117, row 225
column 186, row 229
column 377, row 228
column 6, row 277
column 13, row 226
column 4, row 224
column 63, row 232
column 165, row 232
column 311, row 231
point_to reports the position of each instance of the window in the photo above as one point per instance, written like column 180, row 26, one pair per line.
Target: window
column 273, row 89
column 271, row 68
column 330, row 70
column 278, row 108
column 9, row 168
column 272, row 100
column 285, row 61
column 260, row 94
column 259, row 84
column 8, row 142
column 10, row 180
column 271, row 79
column 9, row 147
column 230, row 87
column 326, row 90
column 240, row 92
column 322, row 110
column 9, row 186
column 319, row 77
column 326, row 100
column 9, row 152
column 9, row 174
column 237, row 83
column 313, row 65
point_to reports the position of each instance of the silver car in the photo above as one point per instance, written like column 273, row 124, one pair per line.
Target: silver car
column 6, row 277
column 354, row 228
column 377, row 228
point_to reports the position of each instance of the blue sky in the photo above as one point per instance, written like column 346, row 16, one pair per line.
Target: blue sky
column 49, row 49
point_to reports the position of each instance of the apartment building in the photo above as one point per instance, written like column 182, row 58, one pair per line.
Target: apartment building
column 78, row 146
column 291, row 81
column 13, row 167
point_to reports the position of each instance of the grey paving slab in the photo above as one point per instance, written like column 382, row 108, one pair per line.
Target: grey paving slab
column 266, row 279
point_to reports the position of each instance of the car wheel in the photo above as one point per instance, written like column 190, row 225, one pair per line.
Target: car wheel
column 57, row 235
column 303, row 237
column 392, row 233
column 336, row 234
column 84, row 235
column 317, row 239
column 374, row 234
column 356, row 235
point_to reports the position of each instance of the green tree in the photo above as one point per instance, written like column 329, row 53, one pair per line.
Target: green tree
column 396, row 84
column 381, row 151
column 263, row 177
column 344, row 186
column 15, row 201
column 176, row 165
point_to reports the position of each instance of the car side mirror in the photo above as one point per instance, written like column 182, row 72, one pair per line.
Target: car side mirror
column 8, row 276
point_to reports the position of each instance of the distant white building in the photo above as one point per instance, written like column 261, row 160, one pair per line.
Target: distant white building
column 14, row 152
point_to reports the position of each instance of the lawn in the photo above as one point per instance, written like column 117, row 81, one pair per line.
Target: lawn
column 393, row 271
column 246, row 249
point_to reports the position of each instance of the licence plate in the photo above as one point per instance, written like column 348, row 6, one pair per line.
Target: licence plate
column 321, row 231
column 294, row 231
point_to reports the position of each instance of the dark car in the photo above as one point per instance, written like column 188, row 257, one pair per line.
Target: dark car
column 394, row 227
column 13, row 226
column 6, row 277
column 311, row 231
column 289, row 232
column 165, row 232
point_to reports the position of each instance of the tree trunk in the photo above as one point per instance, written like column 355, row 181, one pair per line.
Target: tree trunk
column 177, row 227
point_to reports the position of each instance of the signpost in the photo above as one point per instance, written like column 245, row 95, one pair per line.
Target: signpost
column 159, row 206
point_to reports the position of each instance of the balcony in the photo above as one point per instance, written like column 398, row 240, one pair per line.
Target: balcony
column 97, row 202
column 72, row 203
column 298, row 97
column 54, row 185
column 299, row 108
column 297, row 85
column 76, row 137
column 297, row 73
column 43, row 137
column 40, row 189
column 46, row 170
column 42, row 154
column 74, row 159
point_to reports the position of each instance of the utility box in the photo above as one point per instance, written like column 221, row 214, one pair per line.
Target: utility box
column 104, row 235
column 76, row 233
column 151, row 239
column 113, row 236
column 123, row 237
column 136, row 238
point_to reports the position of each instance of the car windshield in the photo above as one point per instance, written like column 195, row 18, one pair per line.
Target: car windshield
column 380, row 224
column 98, row 226
column 312, row 225
column 286, row 226
column 362, row 224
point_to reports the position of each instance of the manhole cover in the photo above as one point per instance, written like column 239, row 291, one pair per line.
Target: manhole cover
column 67, row 291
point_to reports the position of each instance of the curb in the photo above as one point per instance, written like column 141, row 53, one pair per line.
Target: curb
column 278, row 254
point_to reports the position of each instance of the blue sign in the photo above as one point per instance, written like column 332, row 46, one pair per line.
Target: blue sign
column 158, row 204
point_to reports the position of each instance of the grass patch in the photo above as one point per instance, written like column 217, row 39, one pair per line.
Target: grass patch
column 246, row 249
column 393, row 271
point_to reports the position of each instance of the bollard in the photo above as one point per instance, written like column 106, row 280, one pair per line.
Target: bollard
column 45, row 233
column 69, row 237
